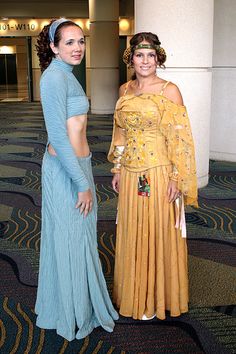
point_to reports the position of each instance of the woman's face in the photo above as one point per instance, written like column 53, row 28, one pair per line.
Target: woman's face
column 145, row 61
column 71, row 46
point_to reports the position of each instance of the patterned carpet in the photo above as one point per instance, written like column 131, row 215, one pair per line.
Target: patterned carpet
column 210, row 325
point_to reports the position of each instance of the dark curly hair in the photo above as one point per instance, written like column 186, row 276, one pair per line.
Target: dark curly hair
column 43, row 48
column 152, row 39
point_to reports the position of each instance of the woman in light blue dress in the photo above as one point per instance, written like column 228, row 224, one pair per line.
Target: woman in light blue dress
column 72, row 295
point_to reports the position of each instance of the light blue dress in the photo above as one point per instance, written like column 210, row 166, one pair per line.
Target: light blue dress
column 72, row 295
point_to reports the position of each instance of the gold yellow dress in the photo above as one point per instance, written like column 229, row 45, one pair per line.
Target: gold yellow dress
column 151, row 274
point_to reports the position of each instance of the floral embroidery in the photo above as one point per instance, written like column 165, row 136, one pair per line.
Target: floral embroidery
column 157, row 132
column 137, row 126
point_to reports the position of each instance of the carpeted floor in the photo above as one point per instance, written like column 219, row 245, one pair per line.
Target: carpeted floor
column 210, row 325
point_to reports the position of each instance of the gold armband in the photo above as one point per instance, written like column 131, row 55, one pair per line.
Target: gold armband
column 118, row 152
column 174, row 174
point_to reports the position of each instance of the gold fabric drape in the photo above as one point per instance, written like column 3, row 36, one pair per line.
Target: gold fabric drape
column 151, row 274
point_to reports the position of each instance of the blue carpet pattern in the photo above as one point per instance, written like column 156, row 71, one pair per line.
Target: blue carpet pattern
column 210, row 324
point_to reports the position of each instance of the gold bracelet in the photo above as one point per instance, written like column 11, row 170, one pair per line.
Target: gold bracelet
column 116, row 168
column 174, row 175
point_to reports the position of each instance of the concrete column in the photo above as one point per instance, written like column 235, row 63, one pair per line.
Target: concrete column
column 223, row 120
column 185, row 29
column 36, row 71
column 21, row 63
column 129, row 69
column 104, row 57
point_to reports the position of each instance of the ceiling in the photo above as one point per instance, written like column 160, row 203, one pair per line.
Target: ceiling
column 56, row 8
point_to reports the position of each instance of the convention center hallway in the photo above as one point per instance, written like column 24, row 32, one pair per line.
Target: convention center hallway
column 13, row 93
column 210, row 324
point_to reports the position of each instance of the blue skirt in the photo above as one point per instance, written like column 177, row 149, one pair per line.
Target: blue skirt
column 72, row 290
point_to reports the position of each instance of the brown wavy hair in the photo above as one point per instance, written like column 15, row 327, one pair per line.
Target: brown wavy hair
column 152, row 39
column 43, row 48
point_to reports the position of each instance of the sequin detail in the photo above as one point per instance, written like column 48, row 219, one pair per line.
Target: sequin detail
column 157, row 132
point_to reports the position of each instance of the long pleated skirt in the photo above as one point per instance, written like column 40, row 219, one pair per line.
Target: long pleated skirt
column 151, row 274
column 72, row 295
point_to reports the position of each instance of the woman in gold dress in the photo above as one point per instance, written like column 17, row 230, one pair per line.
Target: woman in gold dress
column 154, row 173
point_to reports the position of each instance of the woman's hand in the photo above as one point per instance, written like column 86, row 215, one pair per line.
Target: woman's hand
column 85, row 202
column 116, row 182
column 172, row 191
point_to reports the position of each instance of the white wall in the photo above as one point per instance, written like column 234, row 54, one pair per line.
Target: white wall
column 223, row 117
column 44, row 8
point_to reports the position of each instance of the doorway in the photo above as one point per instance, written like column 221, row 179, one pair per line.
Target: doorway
column 8, row 74
column 14, row 69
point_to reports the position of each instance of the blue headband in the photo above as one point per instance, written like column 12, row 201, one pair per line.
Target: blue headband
column 53, row 28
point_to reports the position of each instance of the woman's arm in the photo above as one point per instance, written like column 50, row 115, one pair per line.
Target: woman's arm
column 53, row 89
column 175, row 126
column 117, row 146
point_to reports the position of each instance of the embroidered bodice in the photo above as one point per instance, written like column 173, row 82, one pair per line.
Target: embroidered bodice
column 155, row 131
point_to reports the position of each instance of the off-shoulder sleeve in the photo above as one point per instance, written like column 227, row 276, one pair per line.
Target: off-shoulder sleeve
column 53, row 91
column 175, row 126
column 117, row 144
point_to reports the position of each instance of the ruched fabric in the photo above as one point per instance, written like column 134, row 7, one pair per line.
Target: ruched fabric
column 72, row 294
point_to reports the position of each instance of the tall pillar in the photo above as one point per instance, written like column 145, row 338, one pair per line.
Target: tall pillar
column 36, row 71
column 104, row 55
column 185, row 29
column 223, row 120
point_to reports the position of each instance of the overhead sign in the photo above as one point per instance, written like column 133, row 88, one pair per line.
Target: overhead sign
column 31, row 27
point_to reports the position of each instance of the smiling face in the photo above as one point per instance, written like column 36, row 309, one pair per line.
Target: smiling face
column 71, row 46
column 145, row 61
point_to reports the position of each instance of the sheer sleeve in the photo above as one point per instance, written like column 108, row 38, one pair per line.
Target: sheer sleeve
column 175, row 126
column 117, row 145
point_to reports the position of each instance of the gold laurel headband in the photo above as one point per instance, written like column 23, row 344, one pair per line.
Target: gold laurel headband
column 127, row 52
column 146, row 46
